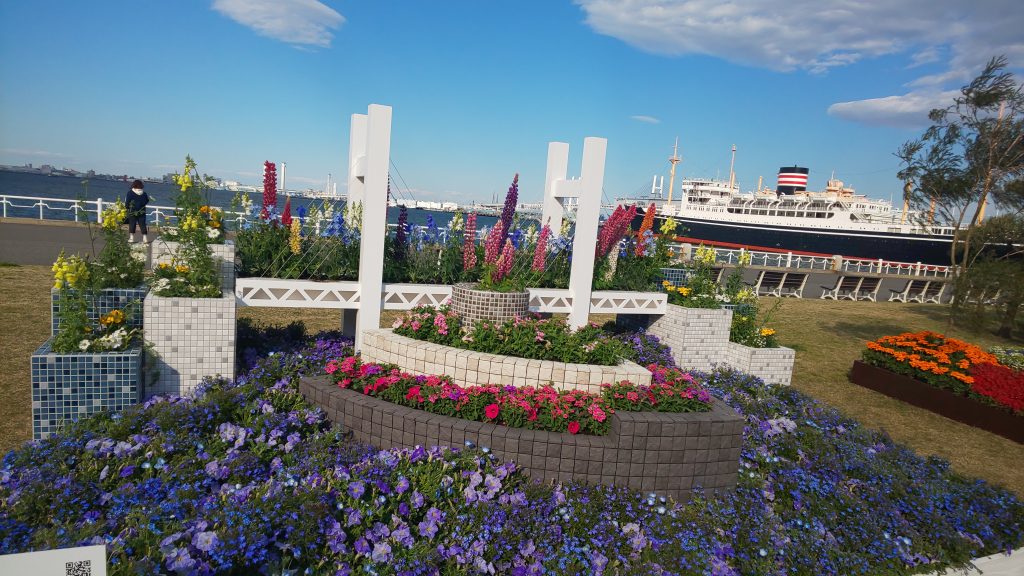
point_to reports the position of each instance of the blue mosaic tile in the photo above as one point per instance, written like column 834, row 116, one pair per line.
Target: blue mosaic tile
column 69, row 386
column 102, row 303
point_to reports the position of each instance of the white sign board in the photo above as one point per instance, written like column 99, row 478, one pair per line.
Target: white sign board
column 82, row 561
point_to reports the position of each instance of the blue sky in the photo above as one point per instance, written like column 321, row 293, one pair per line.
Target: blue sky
column 478, row 89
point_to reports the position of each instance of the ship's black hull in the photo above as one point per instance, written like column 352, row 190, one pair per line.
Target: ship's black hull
column 869, row 245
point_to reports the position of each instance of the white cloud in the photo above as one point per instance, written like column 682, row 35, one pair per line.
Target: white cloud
column 817, row 35
column 906, row 111
column 643, row 118
column 301, row 23
column 34, row 153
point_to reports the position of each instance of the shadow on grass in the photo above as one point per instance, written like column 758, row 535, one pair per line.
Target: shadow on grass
column 868, row 329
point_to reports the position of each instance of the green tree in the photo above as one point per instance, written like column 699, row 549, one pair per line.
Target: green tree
column 996, row 278
column 970, row 157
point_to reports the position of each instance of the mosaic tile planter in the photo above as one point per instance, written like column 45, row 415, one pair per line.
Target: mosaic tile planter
column 161, row 251
column 698, row 336
column 194, row 338
column 472, row 304
column 471, row 368
column 102, row 302
column 773, row 365
column 942, row 402
column 69, row 386
column 669, row 454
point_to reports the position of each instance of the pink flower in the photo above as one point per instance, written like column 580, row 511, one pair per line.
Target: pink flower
column 416, row 325
column 441, row 324
column 493, row 245
column 331, row 367
column 469, row 243
column 414, row 392
column 574, row 427
column 491, row 411
column 540, row 336
column 540, row 252
column 632, row 396
column 504, row 264
column 597, row 413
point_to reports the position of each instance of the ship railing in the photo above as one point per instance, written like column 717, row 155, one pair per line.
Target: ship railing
column 738, row 256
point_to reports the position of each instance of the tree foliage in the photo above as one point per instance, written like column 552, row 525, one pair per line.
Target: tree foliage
column 970, row 158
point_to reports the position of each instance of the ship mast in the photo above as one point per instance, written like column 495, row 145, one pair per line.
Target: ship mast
column 675, row 159
column 732, row 163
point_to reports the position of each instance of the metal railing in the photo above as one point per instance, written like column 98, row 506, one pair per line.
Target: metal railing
column 789, row 260
column 42, row 208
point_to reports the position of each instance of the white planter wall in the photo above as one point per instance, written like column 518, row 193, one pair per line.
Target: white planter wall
column 162, row 251
column 773, row 365
column 193, row 337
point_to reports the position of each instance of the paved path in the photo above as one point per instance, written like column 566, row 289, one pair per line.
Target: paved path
column 25, row 241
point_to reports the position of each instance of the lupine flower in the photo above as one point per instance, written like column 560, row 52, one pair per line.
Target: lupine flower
column 508, row 211
column 402, row 233
column 504, row 263
column 469, row 243
column 540, row 252
column 269, row 188
column 493, row 245
column 646, row 226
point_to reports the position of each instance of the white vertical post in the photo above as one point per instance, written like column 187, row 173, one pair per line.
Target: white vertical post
column 588, row 211
column 356, row 160
column 99, row 210
column 377, row 146
column 558, row 164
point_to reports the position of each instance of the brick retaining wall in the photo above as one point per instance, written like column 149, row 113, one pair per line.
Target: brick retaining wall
column 471, row 368
column 659, row 452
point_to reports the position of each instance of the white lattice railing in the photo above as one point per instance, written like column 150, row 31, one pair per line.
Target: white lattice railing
column 275, row 292
column 789, row 260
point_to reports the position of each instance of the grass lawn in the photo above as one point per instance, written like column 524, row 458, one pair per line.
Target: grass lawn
column 827, row 335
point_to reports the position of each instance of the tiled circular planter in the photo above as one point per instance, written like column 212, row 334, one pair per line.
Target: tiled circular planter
column 473, row 305
column 669, row 454
column 472, row 368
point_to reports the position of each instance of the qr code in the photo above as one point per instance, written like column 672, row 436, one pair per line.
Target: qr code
column 82, row 568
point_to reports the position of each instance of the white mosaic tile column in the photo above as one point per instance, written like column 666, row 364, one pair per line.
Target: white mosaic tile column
column 773, row 365
column 162, row 251
column 194, row 338
column 698, row 336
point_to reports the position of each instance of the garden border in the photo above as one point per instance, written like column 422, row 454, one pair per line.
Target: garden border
column 473, row 368
column 942, row 402
column 666, row 453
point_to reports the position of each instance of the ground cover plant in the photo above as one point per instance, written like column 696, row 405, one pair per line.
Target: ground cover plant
column 543, row 408
column 950, row 364
column 531, row 337
column 247, row 478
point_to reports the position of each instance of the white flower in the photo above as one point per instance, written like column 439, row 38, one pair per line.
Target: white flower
column 83, row 345
column 212, row 233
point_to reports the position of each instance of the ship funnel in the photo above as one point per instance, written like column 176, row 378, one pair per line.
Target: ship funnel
column 792, row 179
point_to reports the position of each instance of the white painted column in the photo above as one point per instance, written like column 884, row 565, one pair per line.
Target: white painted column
column 558, row 164
column 356, row 160
column 377, row 146
column 588, row 212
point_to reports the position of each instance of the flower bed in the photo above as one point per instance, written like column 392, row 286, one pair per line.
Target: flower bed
column 247, row 478
column 69, row 386
column 478, row 368
column 943, row 402
column 949, row 364
column 665, row 452
column 527, row 337
column 522, row 407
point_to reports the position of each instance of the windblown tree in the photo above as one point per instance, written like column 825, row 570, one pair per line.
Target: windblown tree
column 996, row 278
column 971, row 156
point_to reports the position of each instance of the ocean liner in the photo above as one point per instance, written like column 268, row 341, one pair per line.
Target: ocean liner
column 834, row 221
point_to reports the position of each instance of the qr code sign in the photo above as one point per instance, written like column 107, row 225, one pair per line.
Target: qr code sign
column 82, row 568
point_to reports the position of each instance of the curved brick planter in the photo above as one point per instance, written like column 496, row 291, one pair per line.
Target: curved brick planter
column 669, row 454
column 471, row 368
column 473, row 305
column 942, row 402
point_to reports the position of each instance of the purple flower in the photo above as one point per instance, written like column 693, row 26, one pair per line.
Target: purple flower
column 381, row 552
column 354, row 518
column 362, row 546
column 356, row 489
column 127, row 471
column 205, row 541
column 179, row 559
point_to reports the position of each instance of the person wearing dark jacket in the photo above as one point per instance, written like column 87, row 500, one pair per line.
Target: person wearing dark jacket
column 135, row 205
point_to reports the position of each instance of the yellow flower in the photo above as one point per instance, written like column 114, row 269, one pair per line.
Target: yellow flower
column 668, row 226
column 767, row 331
column 683, row 290
column 204, row 209
column 164, row 265
column 295, row 236
column 181, row 268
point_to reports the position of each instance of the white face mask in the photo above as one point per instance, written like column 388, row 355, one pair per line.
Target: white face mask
column 137, row 191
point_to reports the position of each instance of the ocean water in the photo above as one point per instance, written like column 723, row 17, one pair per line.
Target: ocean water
column 72, row 188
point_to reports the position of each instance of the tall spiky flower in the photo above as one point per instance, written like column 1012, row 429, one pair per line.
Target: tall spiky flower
column 469, row 243
column 541, row 251
column 504, row 264
column 614, row 229
column 295, row 235
column 508, row 211
column 645, row 226
column 269, row 187
column 286, row 214
column 493, row 245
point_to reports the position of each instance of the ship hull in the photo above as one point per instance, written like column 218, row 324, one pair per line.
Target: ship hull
column 890, row 246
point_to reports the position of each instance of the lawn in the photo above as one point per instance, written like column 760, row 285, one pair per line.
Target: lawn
column 827, row 335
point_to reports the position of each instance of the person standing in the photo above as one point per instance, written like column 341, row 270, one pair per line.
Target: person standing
column 135, row 206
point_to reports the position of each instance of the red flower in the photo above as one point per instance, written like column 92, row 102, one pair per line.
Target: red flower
column 414, row 392
column 574, row 427
column 492, row 411
column 332, row 367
